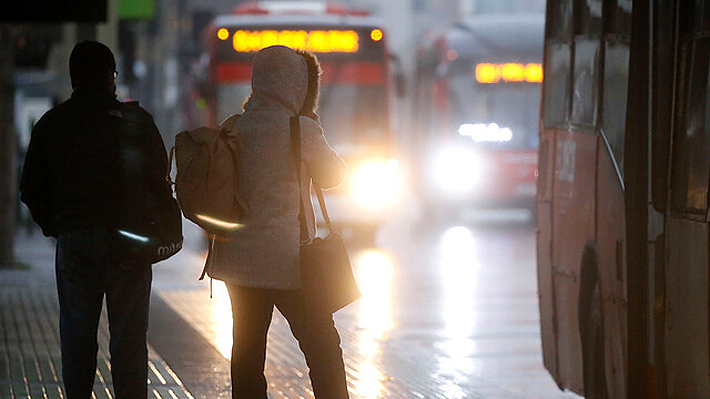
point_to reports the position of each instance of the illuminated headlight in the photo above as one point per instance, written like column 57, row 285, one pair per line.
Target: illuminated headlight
column 376, row 184
column 457, row 171
column 482, row 133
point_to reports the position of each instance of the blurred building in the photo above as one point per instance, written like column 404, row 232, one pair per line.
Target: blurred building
column 160, row 57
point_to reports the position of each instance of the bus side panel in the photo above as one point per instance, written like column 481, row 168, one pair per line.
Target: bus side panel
column 544, row 254
column 611, row 251
column 686, row 334
column 573, row 226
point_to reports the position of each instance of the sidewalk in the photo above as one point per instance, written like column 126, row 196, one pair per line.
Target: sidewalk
column 397, row 340
column 30, row 357
column 189, row 337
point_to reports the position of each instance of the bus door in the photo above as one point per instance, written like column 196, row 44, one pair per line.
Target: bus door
column 686, row 274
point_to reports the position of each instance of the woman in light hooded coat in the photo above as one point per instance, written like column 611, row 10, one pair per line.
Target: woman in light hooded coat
column 259, row 262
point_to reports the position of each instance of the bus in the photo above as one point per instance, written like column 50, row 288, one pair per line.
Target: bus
column 622, row 198
column 476, row 110
column 357, row 99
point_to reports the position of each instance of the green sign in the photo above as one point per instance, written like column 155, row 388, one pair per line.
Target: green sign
column 136, row 9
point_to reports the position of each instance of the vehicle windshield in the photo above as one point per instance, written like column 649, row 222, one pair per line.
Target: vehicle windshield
column 503, row 115
column 351, row 115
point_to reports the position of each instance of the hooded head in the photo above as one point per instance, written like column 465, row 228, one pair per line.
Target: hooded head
column 284, row 77
column 92, row 67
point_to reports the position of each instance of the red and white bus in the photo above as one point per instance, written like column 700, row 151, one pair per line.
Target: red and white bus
column 356, row 100
column 476, row 106
column 623, row 192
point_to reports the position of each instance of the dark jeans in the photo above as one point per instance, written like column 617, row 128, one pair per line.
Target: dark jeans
column 88, row 268
column 317, row 337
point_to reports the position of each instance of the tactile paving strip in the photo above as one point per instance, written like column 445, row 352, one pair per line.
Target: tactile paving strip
column 30, row 356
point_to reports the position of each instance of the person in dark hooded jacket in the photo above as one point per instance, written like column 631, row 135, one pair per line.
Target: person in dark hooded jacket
column 70, row 185
column 259, row 261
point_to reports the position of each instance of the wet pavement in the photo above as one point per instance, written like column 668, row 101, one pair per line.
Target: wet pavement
column 448, row 311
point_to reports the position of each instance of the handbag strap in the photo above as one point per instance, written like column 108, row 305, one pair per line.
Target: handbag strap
column 295, row 124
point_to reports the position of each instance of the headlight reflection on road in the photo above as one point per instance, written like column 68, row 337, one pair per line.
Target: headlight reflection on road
column 459, row 267
column 374, row 275
column 374, row 271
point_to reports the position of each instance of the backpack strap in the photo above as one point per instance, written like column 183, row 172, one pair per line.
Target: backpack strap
column 228, row 124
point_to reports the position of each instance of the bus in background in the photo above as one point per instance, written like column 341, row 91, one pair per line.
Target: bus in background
column 356, row 100
column 476, row 110
column 622, row 198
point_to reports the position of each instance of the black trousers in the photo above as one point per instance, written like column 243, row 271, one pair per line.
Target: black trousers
column 88, row 269
column 317, row 337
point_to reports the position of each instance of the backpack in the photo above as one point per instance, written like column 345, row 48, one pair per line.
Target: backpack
column 149, row 223
column 207, row 161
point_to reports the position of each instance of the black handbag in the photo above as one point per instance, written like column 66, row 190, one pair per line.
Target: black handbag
column 327, row 278
column 153, row 231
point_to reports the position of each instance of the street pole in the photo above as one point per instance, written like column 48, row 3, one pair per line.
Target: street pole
column 8, row 146
column 636, row 172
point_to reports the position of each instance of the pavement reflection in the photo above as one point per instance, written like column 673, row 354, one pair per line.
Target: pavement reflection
column 374, row 270
column 221, row 309
column 447, row 312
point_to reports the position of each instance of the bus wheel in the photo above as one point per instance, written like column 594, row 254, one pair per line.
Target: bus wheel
column 591, row 326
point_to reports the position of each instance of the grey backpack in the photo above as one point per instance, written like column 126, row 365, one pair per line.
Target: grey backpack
column 206, row 184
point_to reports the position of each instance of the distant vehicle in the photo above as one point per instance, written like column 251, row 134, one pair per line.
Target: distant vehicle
column 476, row 107
column 622, row 198
column 357, row 92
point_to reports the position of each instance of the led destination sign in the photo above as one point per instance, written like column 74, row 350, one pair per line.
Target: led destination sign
column 317, row 41
column 509, row 72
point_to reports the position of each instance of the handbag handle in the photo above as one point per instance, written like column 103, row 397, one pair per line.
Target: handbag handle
column 295, row 124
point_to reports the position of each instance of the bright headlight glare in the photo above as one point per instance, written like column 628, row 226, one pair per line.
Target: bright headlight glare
column 482, row 133
column 376, row 184
column 456, row 170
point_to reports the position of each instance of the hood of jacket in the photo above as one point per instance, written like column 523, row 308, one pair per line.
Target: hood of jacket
column 279, row 79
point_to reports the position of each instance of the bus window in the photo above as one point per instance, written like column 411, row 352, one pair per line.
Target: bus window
column 698, row 11
column 691, row 169
column 615, row 82
column 561, row 13
column 556, row 85
column 664, row 34
column 619, row 22
column 509, row 6
column 590, row 17
column 585, row 73
column 514, row 106
column 616, row 66
column 586, row 78
column 353, row 115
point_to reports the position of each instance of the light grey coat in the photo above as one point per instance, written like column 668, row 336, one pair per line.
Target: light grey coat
column 264, row 251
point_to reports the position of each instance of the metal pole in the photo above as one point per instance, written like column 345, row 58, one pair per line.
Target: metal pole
column 637, row 199
column 8, row 146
